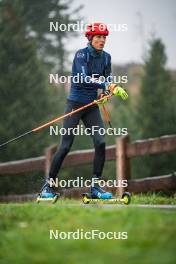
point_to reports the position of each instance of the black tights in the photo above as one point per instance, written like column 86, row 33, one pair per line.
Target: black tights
column 90, row 117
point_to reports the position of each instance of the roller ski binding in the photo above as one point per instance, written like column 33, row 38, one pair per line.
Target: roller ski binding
column 47, row 194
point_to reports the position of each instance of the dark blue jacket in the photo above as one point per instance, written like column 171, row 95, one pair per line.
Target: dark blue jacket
column 87, row 62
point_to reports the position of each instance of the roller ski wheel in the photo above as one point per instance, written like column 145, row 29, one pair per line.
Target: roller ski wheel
column 86, row 198
column 45, row 200
column 126, row 197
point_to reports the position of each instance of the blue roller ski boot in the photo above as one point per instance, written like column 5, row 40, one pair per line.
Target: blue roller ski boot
column 47, row 194
column 98, row 193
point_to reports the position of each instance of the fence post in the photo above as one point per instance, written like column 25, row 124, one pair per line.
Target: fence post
column 123, row 170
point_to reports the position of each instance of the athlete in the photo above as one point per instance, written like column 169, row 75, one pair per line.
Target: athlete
column 88, row 65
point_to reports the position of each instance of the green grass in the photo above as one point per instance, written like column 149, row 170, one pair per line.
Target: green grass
column 24, row 232
column 153, row 198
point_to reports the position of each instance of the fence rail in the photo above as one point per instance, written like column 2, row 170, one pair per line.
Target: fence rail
column 151, row 146
column 21, row 166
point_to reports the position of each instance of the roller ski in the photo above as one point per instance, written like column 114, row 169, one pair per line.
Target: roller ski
column 98, row 195
column 47, row 194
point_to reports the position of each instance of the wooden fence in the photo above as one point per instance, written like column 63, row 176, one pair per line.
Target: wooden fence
column 121, row 152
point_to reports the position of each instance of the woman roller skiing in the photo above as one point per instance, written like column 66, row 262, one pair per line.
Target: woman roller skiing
column 90, row 63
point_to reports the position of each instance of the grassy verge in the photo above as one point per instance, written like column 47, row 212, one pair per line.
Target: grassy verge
column 153, row 198
column 24, row 230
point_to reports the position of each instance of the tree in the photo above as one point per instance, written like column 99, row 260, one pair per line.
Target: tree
column 50, row 44
column 156, row 110
column 23, row 88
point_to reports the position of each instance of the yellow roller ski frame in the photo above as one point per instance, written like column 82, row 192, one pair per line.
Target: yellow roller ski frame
column 126, row 199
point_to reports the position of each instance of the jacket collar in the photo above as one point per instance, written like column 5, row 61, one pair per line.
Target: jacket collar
column 94, row 52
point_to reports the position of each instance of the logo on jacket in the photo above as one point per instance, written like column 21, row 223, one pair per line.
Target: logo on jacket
column 80, row 55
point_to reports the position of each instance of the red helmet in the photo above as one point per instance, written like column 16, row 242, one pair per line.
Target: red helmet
column 96, row 29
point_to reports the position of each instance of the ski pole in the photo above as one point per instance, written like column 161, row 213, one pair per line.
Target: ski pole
column 56, row 120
